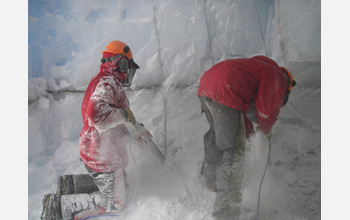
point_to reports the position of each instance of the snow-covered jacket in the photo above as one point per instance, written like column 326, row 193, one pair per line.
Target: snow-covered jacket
column 102, row 139
column 241, row 84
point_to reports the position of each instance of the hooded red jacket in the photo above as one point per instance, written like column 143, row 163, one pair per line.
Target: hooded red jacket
column 244, row 83
column 102, row 139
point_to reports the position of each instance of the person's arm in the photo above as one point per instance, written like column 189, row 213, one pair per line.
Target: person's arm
column 102, row 112
column 269, row 101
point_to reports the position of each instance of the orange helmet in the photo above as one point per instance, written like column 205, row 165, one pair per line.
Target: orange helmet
column 118, row 47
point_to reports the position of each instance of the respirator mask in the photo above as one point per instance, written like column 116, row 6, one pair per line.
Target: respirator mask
column 126, row 66
column 129, row 67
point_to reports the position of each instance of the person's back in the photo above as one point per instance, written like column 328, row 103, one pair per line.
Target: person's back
column 239, row 83
column 235, row 83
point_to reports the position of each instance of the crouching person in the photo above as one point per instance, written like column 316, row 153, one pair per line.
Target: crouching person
column 103, row 141
column 232, row 93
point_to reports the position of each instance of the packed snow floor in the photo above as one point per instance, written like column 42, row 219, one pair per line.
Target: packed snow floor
column 175, row 190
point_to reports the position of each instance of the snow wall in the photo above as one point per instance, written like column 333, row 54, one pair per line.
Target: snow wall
column 167, row 38
column 174, row 42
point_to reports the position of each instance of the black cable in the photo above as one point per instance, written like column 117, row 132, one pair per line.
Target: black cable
column 262, row 179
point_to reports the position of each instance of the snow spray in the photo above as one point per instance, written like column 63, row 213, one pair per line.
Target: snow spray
column 262, row 179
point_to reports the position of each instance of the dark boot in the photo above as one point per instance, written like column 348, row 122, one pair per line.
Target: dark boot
column 75, row 184
column 65, row 185
column 51, row 207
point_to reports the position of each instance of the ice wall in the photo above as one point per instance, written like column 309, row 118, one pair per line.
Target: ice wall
column 182, row 38
column 294, row 32
column 66, row 38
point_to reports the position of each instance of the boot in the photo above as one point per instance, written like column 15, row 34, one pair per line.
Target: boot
column 76, row 203
column 65, row 185
column 51, row 207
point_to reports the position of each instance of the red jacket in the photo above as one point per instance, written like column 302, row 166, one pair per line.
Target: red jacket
column 102, row 139
column 239, row 83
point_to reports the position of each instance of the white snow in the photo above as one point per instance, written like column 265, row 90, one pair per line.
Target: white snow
column 174, row 42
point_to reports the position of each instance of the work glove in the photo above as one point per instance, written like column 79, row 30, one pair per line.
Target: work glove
column 129, row 115
column 268, row 134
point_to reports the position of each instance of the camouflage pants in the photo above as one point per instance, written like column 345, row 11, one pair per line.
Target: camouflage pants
column 111, row 186
column 224, row 157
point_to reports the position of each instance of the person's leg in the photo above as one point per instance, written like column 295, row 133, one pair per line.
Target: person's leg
column 69, row 185
column 119, row 189
column 112, row 188
column 212, row 155
column 235, row 190
column 75, row 184
column 109, row 197
column 226, row 124
column 73, row 204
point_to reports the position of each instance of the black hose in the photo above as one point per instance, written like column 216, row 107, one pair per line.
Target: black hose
column 262, row 179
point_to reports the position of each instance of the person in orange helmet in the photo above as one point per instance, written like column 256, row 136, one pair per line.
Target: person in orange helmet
column 105, row 109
